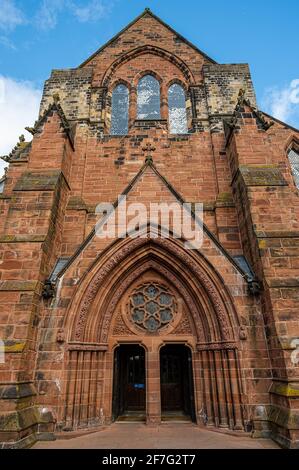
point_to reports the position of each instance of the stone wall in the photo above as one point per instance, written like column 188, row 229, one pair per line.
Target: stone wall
column 243, row 178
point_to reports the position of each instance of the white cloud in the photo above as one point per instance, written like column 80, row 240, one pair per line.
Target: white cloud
column 283, row 103
column 93, row 10
column 10, row 15
column 19, row 105
column 47, row 15
column 6, row 42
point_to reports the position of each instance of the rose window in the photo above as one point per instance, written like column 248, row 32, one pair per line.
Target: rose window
column 152, row 307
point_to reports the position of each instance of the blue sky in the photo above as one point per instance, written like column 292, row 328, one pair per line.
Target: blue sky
column 39, row 35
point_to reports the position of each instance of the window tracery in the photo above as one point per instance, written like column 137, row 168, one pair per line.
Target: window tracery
column 177, row 110
column 120, row 110
column 294, row 162
column 152, row 306
column 148, row 98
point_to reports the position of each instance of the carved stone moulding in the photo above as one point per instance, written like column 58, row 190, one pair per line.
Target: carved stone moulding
column 87, row 347
column 216, row 346
column 221, row 314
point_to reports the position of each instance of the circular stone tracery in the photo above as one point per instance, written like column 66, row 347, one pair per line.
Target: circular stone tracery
column 152, row 307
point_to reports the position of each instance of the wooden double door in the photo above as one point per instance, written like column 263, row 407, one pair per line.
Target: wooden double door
column 176, row 381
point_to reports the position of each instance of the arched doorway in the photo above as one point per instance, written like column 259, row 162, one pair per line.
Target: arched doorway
column 110, row 317
column 129, row 383
column 176, row 382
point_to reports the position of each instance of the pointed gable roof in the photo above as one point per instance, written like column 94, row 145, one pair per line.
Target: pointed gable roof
column 147, row 12
column 149, row 166
column 53, row 107
column 243, row 107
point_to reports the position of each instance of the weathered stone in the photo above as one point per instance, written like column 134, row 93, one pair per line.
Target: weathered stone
column 239, row 320
column 262, row 175
column 21, row 390
column 12, row 346
column 35, row 181
column 285, row 389
column 19, row 285
column 22, row 238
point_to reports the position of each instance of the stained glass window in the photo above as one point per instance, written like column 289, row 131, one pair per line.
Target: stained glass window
column 152, row 306
column 294, row 162
column 120, row 110
column 148, row 98
column 177, row 110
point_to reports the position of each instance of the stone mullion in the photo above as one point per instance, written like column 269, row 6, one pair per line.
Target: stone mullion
column 164, row 102
column 153, row 392
column 132, row 106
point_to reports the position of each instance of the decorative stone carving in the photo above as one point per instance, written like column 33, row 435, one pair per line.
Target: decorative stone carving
column 123, row 253
column 206, row 282
column 120, row 328
column 48, row 291
column 194, row 310
column 152, row 306
column 254, row 287
column 242, row 333
column 218, row 346
column 184, row 327
column 96, row 282
column 60, row 336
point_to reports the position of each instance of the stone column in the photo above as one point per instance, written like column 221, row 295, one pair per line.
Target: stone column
column 132, row 106
column 153, row 394
column 164, row 103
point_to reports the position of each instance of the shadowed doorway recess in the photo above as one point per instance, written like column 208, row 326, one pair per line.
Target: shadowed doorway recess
column 176, row 378
column 129, row 387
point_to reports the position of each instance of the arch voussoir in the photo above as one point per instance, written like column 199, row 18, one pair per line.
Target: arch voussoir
column 166, row 256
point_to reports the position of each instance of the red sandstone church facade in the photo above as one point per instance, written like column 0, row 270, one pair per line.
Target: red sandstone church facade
column 95, row 329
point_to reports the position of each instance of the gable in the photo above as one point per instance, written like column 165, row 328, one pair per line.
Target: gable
column 146, row 187
column 148, row 29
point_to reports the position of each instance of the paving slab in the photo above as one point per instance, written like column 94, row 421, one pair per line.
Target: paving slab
column 165, row 436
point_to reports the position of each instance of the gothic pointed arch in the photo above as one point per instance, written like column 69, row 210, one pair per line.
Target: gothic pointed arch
column 148, row 49
column 204, row 291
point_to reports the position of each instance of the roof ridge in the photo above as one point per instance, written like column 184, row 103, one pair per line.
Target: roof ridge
column 279, row 121
column 146, row 11
column 17, row 149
